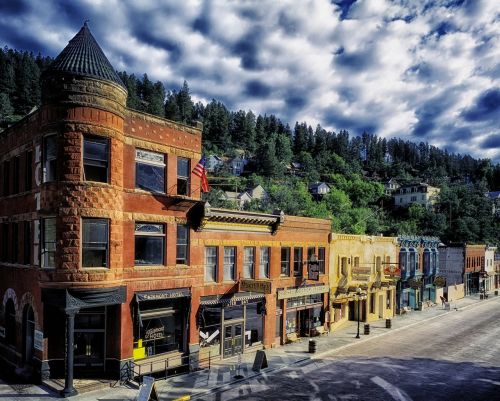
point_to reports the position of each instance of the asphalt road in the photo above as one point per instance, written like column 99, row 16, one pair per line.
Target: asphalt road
column 454, row 357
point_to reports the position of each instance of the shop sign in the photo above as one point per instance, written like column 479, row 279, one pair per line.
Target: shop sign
column 260, row 286
column 154, row 333
column 361, row 270
column 359, row 277
column 162, row 294
column 392, row 270
column 302, row 291
column 38, row 340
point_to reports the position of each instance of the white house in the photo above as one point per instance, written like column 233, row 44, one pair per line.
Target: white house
column 422, row 194
column 319, row 188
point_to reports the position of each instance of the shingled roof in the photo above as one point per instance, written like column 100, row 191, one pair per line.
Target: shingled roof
column 83, row 56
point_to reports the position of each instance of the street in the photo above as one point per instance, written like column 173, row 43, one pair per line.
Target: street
column 453, row 357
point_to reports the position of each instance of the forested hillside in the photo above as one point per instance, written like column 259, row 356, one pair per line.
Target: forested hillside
column 353, row 164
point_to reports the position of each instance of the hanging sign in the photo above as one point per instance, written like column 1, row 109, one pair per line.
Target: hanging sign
column 155, row 333
column 260, row 286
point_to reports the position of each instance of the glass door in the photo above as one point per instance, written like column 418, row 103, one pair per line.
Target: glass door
column 89, row 349
column 233, row 339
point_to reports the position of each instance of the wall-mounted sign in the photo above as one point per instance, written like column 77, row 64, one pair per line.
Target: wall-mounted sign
column 302, row 291
column 38, row 340
column 361, row 270
column 392, row 270
column 261, row 286
column 360, row 277
column 163, row 294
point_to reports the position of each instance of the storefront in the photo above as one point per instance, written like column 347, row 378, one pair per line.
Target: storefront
column 303, row 310
column 229, row 324
column 161, row 322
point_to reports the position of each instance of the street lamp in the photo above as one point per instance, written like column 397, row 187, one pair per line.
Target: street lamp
column 359, row 297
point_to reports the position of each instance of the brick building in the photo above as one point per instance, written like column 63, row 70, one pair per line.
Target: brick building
column 474, row 266
column 109, row 259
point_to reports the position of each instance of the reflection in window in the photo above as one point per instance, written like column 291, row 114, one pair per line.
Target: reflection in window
column 183, row 173
column 321, row 260
column 229, row 263
column 182, row 244
column 253, row 324
column 95, row 243
column 95, row 159
column 49, row 158
column 248, row 262
column 149, row 244
column 211, row 263
column 285, row 261
column 297, row 261
column 264, row 262
column 149, row 171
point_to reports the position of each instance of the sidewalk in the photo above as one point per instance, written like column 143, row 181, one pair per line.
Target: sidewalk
column 223, row 372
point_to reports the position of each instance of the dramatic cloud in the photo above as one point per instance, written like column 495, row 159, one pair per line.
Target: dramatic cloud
column 421, row 70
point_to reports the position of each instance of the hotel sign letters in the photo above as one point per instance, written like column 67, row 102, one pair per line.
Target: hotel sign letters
column 302, row 291
column 261, row 286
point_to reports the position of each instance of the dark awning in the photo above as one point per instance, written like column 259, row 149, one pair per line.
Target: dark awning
column 78, row 298
column 163, row 294
column 231, row 299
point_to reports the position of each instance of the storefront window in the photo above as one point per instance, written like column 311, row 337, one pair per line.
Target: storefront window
column 253, row 324
column 279, row 329
column 233, row 312
column 210, row 326
column 291, row 322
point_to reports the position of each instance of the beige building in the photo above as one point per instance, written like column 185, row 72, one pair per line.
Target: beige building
column 422, row 194
column 363, row 277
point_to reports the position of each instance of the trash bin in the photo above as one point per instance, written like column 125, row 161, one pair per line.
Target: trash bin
column 367, row 329
column 312, row 346
column 496, row 292
column 388, row 323
column 481, row 296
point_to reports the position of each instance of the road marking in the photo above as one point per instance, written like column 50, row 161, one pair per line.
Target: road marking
column 394, row 392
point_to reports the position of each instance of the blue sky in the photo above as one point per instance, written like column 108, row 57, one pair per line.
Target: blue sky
column 415, row 69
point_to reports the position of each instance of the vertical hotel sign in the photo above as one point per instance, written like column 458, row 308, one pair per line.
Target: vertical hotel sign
column 36, row 223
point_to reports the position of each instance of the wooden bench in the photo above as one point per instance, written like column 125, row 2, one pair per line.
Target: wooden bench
column 292, row 338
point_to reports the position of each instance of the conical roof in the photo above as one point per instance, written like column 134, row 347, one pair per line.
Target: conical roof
column 83, row 56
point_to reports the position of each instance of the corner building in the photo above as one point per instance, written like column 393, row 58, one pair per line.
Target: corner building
column 109, row 262
column 94, row 226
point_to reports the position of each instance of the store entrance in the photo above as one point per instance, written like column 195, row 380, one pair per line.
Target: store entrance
column 233, row 339
column 90, row 334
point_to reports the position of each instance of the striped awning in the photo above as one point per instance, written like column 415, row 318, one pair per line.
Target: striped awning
column 237, row 298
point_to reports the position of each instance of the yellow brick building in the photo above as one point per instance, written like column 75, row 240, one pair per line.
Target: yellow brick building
column 362, row 270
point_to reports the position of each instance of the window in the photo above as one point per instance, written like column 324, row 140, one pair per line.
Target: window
column 248, row 262
column 48, row 249
column 15, row 175
column 50, row 158
column 27, row 243
column 95, row 243
column 285, row 261
column 264, row 262
column 10, row 322
column 229, row 263
column 149, row 171
column 28, row 166
column 15, row 241
column 321, row 260
column 95, row 159
column 182, row 244
column 5, row 242
column 372, row 303
column 310, row 252
column 149, row 244
column 6, row 178
column 403, row 262
column 297, row 262
column 211, row 263
column 182, row 176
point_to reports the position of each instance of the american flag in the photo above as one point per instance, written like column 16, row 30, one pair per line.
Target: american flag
column 200, row 171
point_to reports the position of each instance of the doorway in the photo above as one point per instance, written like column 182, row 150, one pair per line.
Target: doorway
column 90, row 335
column 28, row 333
column 233, row 339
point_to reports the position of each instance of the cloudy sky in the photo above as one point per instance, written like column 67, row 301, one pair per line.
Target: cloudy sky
column 416, row 69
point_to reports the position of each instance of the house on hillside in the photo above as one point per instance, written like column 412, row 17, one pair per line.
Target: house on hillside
column 390, row 186
column 421, row 193
column 213, row 161
column 319, row 189
column 241, row 198
column 495, row 197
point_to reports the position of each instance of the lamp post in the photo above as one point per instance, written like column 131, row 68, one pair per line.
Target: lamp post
column 358, row 299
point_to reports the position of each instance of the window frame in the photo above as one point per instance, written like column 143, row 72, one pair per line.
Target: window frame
column 179, row 260
column 49, row 164
column 230, row 265
column 6, row 178
column 98, row 140
column 298, row 270
column 182, row 178
column 28, row 170
column 264, row 265
column 211, row 266
column 16, row 165
column 144, row 234
column 285, row 262
column 141, row 158
column 44, row 251
column 248, row 262
column 85, row 220
column 322, row 260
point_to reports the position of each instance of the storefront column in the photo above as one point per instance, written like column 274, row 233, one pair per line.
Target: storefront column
column 69, row 390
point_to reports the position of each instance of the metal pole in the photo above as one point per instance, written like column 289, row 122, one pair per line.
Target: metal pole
column 357, row 335
column 69, row 390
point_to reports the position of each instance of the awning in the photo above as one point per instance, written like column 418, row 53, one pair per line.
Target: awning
column 155, row 313
column 162, row 294
column 237, row 298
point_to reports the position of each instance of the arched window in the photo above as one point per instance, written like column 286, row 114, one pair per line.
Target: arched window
column 10, row 323
column 413, row 261
column 427, row 261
